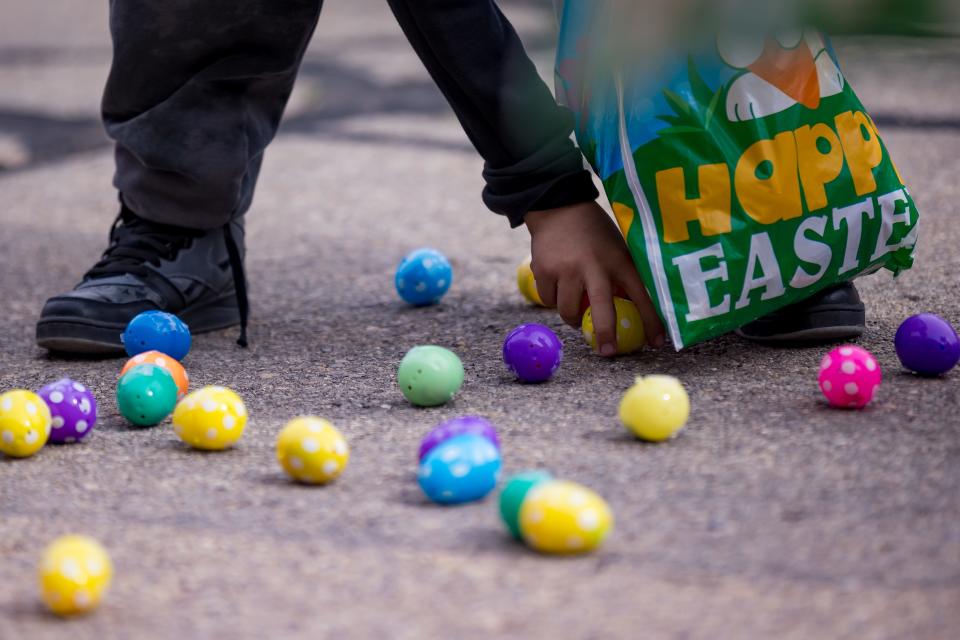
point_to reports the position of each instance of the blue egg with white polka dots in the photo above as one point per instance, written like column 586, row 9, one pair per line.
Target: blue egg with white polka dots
column 423, row 276
column 157, row 331
column 462, row 469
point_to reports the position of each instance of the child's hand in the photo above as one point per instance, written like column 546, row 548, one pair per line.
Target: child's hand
column 579, row 247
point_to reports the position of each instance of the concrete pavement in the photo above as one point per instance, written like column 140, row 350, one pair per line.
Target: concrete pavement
column 771, row 515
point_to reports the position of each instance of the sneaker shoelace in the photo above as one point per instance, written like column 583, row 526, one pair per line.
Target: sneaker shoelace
column 239, row 282
column 135, row 242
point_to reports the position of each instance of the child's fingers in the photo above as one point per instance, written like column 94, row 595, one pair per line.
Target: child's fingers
column 652, row 327
column 547, row 289
column 604, row 314
column 569, row 292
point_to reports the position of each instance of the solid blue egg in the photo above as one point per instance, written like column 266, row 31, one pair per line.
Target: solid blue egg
column 157, row 331
column 423, row 276
column 462, row 469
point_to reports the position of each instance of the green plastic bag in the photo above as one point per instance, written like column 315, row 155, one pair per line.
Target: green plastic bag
column 753, row 177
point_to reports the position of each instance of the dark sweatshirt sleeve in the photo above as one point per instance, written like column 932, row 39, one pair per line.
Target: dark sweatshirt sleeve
column 477, row 60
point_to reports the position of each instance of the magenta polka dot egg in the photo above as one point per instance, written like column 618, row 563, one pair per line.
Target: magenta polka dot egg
column 849, row 376
column 73, row 410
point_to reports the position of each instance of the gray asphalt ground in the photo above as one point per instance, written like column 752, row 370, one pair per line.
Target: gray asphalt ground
column 770, row 516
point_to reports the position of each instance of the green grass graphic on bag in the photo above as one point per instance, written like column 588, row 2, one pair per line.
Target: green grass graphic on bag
column 752, row 180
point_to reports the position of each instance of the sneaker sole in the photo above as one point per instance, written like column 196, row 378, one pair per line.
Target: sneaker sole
column 823, row 334
column 829, row 325
column 92, row 337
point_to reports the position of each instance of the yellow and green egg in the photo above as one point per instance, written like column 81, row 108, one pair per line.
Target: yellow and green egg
column 554, row 516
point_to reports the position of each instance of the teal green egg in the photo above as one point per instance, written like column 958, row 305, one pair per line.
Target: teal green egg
column 513, row 495
column 146, row 394
column 429, row 375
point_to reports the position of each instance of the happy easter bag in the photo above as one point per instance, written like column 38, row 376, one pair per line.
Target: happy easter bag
column 744, row 173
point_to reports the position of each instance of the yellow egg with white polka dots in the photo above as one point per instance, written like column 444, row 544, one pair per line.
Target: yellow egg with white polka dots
column 24, row 423
column 528, row 284
column 559, row 516
column 311, row 450
column 630, row 335
column 210, row 418
column 75, row 572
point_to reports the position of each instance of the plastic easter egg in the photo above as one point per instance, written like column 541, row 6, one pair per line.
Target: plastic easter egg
column 24, row 423
column 157, row 331
column 927, row 344
column 146, row 394
column 311, row 450
column 429, row 375
column 423, row 276
column 514, row 493
column 558, row 516
column 655, row 407
column 74, row 574
column 849, row 376
column 73, row 410
column 527, row 284
column 457, row 427
column 210, row 418
column 164, row 361
column 532, row 352
column 630, row 335
column 462, row 469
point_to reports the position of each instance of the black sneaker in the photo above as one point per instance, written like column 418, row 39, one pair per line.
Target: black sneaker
column 195, row 274
column 836, row 313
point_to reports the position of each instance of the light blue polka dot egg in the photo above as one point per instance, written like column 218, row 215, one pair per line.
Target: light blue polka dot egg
column 423, row 276
column 462, row 469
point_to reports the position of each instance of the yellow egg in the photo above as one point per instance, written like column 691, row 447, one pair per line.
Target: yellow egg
column 630, row 335
column 558, row 516
column 210, row 418
column 311, row 450
column 528, row 284
column 24, row 423
column 655, row 407
column 75, row 572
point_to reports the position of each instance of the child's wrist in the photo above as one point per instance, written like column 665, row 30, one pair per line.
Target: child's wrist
column 543, row 217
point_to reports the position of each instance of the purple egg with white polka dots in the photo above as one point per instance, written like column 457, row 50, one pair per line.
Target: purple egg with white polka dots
column 473, row 425
column 73, row 409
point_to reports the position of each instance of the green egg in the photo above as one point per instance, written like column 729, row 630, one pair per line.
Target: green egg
column 513, row 495
column 146, row 394
column 430, row 375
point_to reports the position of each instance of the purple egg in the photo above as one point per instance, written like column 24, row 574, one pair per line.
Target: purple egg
column 73, row 408
column 532, row 352
column 927, row 344
column 464, row 425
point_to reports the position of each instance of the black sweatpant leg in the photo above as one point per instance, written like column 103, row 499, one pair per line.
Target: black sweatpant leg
column 197, row 89
column 195, row 93
column 476, row 58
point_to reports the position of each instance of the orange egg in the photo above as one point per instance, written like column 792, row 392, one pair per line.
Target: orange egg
column 163, row 361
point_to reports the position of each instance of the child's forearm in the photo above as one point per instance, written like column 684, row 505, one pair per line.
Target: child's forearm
column 478, row 62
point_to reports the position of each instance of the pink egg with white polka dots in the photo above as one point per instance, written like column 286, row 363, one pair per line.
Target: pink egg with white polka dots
column 849, row 376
